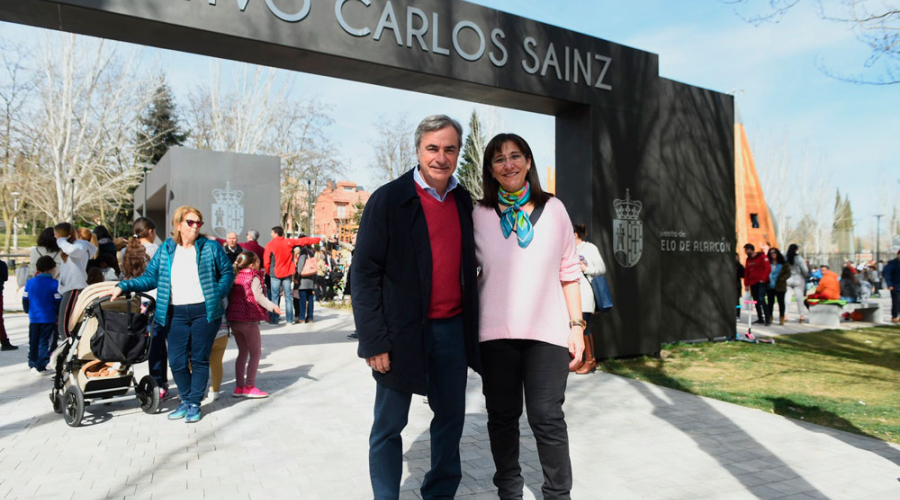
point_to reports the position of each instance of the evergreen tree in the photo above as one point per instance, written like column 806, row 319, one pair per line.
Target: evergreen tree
column 160, row 128
column 469, row 171
column 843, row 225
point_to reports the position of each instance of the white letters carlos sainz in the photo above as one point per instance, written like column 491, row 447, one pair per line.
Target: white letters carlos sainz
column 416, row 28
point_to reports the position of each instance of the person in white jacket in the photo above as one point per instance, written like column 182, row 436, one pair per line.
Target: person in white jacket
column 73, row 275
column 591, row 265
column 799, row 273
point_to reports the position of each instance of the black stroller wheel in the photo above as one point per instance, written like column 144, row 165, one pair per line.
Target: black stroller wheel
column 57, row 400
column 148, row 394
column 73, row 406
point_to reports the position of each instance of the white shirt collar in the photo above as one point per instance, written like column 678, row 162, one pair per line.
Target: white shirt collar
column 451, row 185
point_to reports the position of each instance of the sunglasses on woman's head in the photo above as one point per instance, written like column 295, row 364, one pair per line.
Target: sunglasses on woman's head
column 194, row 223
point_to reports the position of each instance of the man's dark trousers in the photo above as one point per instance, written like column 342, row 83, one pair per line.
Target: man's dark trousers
column 759, row 295
column 895, row 303
column 447, row 372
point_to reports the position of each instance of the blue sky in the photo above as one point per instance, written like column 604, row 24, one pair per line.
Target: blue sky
column 849, row 131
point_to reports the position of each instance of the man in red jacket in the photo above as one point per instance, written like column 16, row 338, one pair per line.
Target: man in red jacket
column 756, row 280
column 278, row 261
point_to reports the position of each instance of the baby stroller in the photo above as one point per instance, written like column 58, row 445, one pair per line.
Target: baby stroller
column 95, row 363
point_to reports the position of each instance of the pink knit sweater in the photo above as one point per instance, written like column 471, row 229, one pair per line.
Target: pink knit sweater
column 520, row 289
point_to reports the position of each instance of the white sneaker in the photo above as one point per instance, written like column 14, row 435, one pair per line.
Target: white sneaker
column 212, row 396
column 35, row 372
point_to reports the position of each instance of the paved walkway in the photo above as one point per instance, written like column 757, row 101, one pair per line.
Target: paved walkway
column 308, row 441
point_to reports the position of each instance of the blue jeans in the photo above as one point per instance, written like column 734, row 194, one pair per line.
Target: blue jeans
column 279, row 286
column 447, row 371
column 307, row 297
column 159, row 369
column 191, row 338
column 40, row 340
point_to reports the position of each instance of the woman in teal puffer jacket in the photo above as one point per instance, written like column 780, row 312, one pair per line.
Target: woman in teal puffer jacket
column 191, row 274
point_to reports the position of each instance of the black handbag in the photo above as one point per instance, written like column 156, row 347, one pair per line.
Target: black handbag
column 121, row 336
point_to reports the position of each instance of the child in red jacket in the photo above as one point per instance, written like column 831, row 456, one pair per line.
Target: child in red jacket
column 247, row 306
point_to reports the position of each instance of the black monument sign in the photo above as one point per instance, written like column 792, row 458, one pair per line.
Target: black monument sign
column 646, row 162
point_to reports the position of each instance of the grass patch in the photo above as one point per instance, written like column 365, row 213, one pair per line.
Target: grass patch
column 343, row 306
column 848, row 380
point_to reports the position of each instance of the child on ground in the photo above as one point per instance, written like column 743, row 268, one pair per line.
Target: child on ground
column 41, row 302
column 247, row 306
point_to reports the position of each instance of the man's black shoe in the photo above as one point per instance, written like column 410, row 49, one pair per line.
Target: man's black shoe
column 759, row 322
column 353, row 335
column 6, row 346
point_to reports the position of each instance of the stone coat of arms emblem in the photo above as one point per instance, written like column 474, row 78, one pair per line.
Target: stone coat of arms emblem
column 628, row 231
column 227, row 211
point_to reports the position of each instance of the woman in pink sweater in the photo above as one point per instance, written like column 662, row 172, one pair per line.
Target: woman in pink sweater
column 247, row 306
column 530, row 324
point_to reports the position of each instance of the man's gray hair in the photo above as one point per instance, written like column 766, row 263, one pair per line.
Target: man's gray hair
column 434, row 123
column 253, row 234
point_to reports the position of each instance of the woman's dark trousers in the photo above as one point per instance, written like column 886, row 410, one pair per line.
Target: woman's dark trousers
column 540, row 371
column 157, row 358
column 771, row 297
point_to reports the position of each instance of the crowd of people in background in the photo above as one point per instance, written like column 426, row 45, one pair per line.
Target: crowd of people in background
column 766, row 277
column 207, row 290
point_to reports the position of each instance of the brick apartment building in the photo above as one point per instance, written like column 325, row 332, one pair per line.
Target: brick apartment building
column 335, row 207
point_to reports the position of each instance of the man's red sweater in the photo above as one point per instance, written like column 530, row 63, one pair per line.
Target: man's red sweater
column 446, row 254
column 282, row 249
column 757, row 269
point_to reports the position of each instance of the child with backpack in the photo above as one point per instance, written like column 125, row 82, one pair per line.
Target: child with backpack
column 41, row 301
column 247, row 306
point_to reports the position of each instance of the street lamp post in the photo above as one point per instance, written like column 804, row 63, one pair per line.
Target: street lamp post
column 72, row 179
column 309, row 207
column 877, row 235
column 145, row 191
column 15, row 195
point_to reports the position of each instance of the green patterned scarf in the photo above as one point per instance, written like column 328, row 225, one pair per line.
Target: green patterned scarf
column 514, row 217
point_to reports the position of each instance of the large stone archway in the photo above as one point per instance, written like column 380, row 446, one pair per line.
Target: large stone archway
column 647, row 163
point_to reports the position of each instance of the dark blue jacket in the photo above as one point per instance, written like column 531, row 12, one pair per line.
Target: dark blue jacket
column 391, row 283
column 891, row 273
column 214, row 268
column 41, row 299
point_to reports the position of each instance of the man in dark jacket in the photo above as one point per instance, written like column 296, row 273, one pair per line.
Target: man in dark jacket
column 891, row 275
column 415, row 304
column 756, row 279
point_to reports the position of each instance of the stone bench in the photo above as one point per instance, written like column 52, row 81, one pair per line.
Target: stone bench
column 871, row 312
column 825, row 314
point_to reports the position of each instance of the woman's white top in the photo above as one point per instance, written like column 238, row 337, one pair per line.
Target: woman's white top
column 590, row 255
column 185, row 277
column 36, row 253
column 73, row 275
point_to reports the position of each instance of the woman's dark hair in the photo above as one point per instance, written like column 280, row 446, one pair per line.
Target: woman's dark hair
column 244, row 260
column 490, row 185
column 102, row 232
column 95, row 275
column 847, row 273
column 580, row 230
column 142, row 227
column 48, row 240
column 135, row 258
column 779, row 258
column 792, row 253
